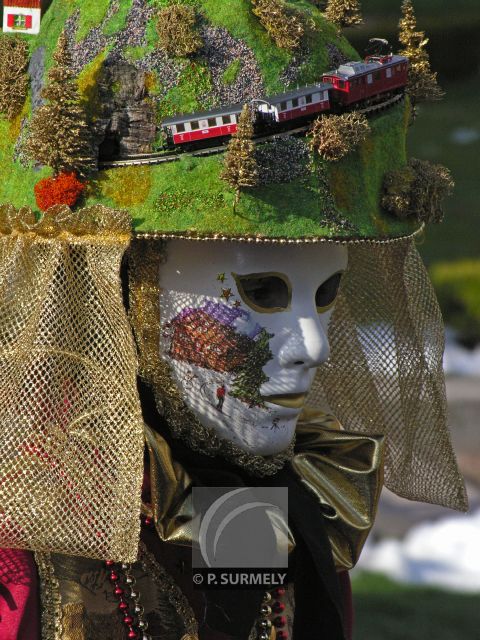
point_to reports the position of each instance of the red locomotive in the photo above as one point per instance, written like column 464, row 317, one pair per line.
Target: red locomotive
column 353, row 84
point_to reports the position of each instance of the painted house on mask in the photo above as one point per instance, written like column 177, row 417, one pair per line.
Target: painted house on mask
column 21, row 16
column 206, row 337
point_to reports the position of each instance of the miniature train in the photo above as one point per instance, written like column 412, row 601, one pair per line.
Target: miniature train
column 352, row 85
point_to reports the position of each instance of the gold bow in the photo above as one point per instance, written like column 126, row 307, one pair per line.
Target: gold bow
column 345, row 472
column 342, row 469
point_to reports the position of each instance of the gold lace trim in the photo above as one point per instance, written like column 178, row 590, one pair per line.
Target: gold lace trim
column 49, row 597
column 219, row 237
column 99, row 222
column 145, row 259
column 175, row 595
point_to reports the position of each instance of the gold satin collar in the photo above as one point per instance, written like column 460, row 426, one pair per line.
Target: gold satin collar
column 342, row 469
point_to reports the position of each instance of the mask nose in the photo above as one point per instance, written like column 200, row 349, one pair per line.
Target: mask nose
column 306, row 347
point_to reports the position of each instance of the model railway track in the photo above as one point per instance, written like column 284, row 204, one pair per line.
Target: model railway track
column 381, row 106
column 174, row 156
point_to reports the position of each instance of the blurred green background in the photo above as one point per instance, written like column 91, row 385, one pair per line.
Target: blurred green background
column 447, row 132
column 385, row 610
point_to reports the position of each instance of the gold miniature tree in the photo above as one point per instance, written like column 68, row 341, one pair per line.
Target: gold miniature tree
column 13, row 75
column 284, row 26
column 344, row 13
column 177, row 30
column 240, row 166
column 59, row 136
column 418, row 190
column 422, row 81
column 333, row 137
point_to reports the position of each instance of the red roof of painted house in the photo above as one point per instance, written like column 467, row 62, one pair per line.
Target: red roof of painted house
column 23, row 4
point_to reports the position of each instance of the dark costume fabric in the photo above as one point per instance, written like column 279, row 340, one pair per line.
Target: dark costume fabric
column 20, row 611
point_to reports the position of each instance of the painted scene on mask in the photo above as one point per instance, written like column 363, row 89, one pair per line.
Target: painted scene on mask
column 226, row 351
column 242, row 334
column 217, row 353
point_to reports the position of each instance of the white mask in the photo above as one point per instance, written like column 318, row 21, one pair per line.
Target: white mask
column 244, row 351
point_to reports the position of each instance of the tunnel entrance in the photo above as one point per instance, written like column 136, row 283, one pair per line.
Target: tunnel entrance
column 109, row 149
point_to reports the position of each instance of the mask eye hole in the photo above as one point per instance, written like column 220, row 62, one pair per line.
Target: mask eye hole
column 327, row 293
column 264, row 292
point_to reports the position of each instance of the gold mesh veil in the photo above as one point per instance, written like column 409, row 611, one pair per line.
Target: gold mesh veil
column 72, row 434
column 385, row 372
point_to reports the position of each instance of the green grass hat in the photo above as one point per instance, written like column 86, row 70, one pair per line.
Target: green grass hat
column 95, row 87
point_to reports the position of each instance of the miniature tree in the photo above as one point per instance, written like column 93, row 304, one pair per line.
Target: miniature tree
column 418, row 191
column 397, row 186
column 250, row 376
column 240, row 166
column 13, row 75
column 59, row 136
column 333, row 137
column 176, row 27
column 344, row 13
column 65, row 188
column 422, row 81
column 283, row 25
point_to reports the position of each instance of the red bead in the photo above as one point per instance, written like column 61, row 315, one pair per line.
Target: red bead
column 148, row 521
column 114, row 576
column 123, row 606
column 118, row 591
column 279, row 592
column 280, row 621
column 278, row 607
column 132, row 634
column 109, row 563
column 128, row 620
column 281, row 635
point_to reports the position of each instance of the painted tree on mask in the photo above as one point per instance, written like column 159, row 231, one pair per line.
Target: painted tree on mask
column 250, row 375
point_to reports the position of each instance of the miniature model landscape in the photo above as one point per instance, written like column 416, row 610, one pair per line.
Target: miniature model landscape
column 98, row 82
